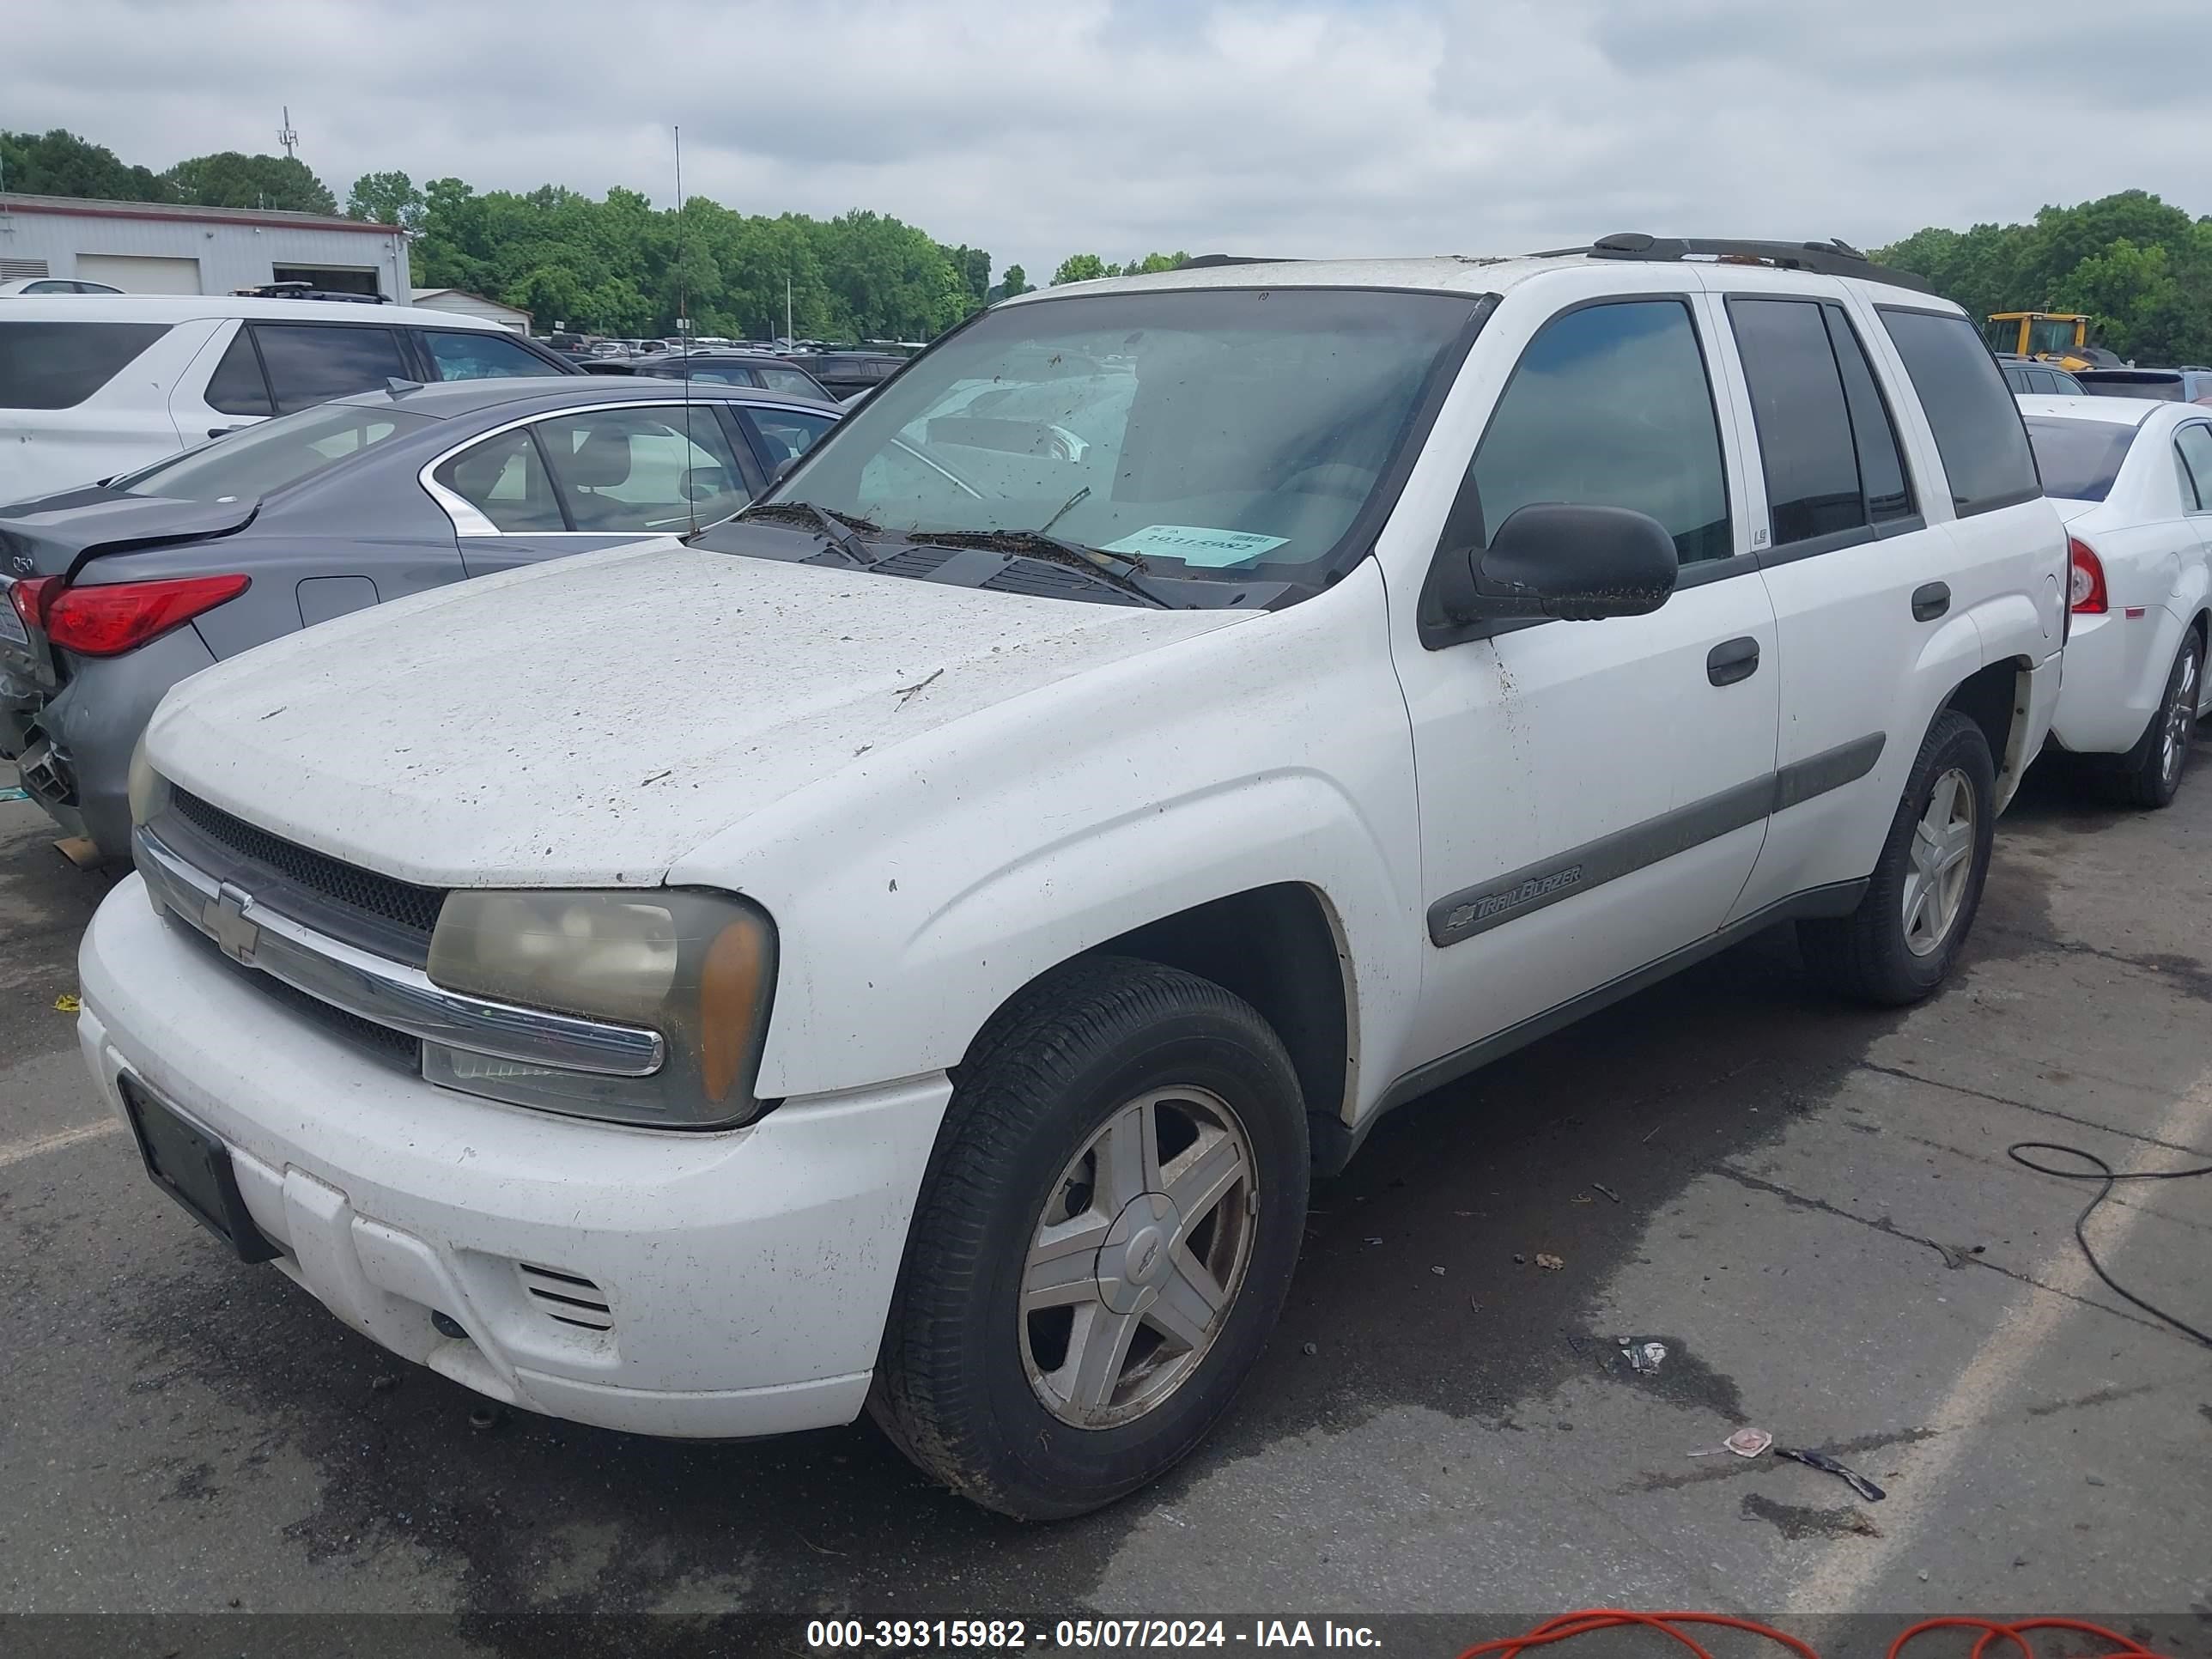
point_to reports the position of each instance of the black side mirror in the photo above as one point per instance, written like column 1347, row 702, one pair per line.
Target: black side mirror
column 1575, row 563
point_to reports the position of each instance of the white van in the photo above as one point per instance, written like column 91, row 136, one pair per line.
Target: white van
column 92, row 384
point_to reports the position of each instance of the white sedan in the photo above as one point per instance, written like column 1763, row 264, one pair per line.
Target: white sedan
column 2133, row 480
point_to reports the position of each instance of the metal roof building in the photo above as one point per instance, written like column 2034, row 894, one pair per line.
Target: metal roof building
column 151, row 247
column 462, row 303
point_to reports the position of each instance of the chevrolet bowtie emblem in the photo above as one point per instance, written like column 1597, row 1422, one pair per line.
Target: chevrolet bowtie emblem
column 226, row 923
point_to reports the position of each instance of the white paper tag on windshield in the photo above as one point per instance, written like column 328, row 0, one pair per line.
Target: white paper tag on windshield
column 1195, row 544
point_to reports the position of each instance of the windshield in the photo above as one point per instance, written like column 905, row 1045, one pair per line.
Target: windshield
column 1212, row 432
column 2050, row 334
column 265, row 459
column 2078, row 460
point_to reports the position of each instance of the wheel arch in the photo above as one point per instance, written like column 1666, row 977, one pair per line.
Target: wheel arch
column 1281, row 947
column 1995, row 698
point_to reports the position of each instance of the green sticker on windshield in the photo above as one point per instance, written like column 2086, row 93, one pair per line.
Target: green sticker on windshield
column 1196, row 545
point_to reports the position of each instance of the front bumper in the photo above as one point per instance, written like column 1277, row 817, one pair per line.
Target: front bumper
column 744, row 1275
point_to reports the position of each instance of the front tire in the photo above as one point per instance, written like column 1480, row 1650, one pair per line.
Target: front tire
column 1103, row 1240
column 2153, row 777
column 1899, row 944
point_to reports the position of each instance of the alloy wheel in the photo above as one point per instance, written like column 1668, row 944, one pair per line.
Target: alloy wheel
column 1135, row 1262
column 1942, row 860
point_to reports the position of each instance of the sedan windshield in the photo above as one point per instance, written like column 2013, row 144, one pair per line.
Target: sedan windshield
column 1213, row 432
column 2078, row 460
column 265, row 459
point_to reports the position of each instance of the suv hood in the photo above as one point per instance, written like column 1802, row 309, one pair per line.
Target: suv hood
column 590, row 720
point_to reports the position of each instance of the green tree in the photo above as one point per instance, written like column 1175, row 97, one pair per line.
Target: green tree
column 232, row 180
column 1015, row 281
column 1081, row 268
column 386, row 199
column 2141, row 267
column 59, row 163
column 1154, row 262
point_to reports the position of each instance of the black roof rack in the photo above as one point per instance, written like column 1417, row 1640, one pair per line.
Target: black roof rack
column 1829, row 259
column 1208, row 261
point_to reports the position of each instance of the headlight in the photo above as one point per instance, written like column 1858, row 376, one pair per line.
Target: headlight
column 149, row 789
column 699, row 968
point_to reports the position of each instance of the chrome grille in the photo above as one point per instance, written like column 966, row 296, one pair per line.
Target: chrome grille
column 395, row 917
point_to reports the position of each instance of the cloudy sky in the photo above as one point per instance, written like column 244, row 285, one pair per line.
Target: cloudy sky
column 1310, row 127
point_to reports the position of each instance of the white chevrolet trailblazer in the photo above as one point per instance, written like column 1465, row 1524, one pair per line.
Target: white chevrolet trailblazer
column 908, row 948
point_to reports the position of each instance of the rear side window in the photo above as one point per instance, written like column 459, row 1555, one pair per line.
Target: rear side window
column 480, row 356
column 1978, row 428
column 59, row 365
column 795, row 382
column 1610, row 407
column 1804, row 427
column 504, row 479
column 236, row 387
column 312, row 362
column 2079, row 459
column 2194, row 446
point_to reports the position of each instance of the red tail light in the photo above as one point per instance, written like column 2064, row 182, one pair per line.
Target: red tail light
column 28, row 597
column 2085, row 592
column 108, row 621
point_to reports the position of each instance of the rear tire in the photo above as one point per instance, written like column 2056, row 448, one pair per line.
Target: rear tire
column 2153, row 778
column 1899, row 944
column 1104, row 1241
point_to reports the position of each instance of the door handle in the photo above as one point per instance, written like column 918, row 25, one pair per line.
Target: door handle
column 1931, row 600
column 1732, row 661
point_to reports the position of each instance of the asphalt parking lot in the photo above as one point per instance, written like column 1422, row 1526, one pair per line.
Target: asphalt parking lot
column 1809, row 1205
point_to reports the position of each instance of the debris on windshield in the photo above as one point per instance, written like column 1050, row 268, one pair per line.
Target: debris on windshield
column 905, row 692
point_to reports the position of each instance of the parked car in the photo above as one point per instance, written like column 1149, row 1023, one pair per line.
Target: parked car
column 844, row 373
column 55, row 285
column 910, row 947
column 719, row 368
column 2172, row 386
column 93, row 385
column 2133, row 480
column 2026, row 376
column 109, row 595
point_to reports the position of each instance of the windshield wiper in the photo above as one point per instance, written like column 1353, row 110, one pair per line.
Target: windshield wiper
column 842, row 533
column 1118, row 570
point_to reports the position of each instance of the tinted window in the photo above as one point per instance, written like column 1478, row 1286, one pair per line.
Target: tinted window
column 2194, row 444
column 478, row 356
column 236, row 387
column 59, row 365
column 2078, row 460
column 795, row 382
column 722, row 374
column 1874, row 434
column 784, row 434
column 1804, row 429
column 312, row 363
column 268, row 456
column 2165, row 389
column 504, row 479
column 1977, row 425
column 1610, row 407
column 642, row 469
